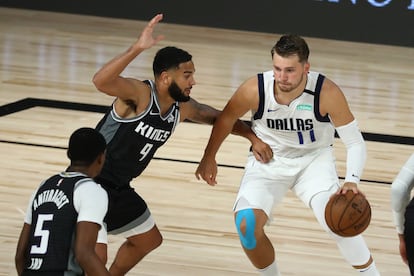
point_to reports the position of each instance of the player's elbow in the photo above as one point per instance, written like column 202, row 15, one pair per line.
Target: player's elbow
column 399, row 195
column 99, row 82
column 84, row 255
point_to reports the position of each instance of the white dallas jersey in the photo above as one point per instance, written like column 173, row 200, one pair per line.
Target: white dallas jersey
column 296, row 129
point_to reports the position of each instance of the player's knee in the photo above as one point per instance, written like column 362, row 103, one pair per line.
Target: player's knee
column 246, row 224
column 156, row 241
column 145, row 243
column 155, row 238
column 318, row 204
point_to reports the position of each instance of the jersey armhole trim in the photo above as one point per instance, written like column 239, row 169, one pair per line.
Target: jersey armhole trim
column 260, row 110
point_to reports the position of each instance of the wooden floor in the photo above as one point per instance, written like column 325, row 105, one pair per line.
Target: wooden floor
column 47, row 61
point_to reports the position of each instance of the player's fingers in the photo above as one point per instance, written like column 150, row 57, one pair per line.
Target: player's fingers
column 159, row 38
column 203, row 175
column 258, row 157
column 155, row 20
column 212, row 180
column 404, row 259
column 269, row 155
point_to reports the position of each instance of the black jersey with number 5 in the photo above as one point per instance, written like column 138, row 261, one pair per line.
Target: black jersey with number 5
column 132, row 142
column 54, row 218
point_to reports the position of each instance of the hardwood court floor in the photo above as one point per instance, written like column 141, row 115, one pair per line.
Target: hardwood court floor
column 47, row 62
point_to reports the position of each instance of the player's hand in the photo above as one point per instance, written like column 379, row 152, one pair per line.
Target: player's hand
column 146, row 39
column 349, row 186
column 403, row 252
column 207, row 170
column 262, row 151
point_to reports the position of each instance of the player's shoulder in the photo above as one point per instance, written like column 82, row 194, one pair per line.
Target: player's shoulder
column 88, row 185
column 330, row 87
column 251, row 83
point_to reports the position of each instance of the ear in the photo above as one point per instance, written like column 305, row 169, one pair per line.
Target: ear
column 306, row 67
column 165, row 77
column 101, row 158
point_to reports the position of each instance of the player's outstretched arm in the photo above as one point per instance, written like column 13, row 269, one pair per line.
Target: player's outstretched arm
column 108, row 79
column 240, row 103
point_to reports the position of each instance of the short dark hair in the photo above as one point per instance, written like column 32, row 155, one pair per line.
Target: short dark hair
column 85, row 145
column 169, row 57
column 291, row 44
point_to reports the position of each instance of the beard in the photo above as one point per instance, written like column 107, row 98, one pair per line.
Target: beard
column 176, row 93
column 290, row 87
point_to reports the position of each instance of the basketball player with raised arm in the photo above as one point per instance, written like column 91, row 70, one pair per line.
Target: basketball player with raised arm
column 403, row 211
column 143, row 116
column 296, row 112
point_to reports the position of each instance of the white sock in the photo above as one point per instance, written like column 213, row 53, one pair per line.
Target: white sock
column 371, row 270
column 271, row 270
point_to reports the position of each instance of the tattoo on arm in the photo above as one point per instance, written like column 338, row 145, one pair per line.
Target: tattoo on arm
column 203, row 113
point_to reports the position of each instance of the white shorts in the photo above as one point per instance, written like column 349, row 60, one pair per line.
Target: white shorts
column 139, row 229
column 263, row 186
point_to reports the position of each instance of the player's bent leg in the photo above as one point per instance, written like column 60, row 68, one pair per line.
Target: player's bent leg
column 134, row 249
column 257, row 246
column 353, row 249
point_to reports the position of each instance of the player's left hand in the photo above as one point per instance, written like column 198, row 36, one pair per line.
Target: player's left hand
column 349, row 186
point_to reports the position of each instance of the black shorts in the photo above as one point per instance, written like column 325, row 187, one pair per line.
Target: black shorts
column 124, row 206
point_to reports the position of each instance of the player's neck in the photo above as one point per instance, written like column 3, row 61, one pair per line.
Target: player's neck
column 79, row 168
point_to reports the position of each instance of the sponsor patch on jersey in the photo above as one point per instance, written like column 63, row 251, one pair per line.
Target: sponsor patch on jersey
column 304, row 107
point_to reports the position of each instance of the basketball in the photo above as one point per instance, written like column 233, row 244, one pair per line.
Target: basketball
column 348, row 215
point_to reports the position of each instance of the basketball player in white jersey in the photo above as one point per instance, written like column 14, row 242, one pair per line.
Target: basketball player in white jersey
column 296, row 112
column 403, row 211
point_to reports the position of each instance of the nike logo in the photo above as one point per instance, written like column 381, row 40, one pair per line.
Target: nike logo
column 271, row 110
column 356, row 176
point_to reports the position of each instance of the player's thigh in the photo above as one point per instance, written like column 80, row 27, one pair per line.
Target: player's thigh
column 318, row 176
column 262, row 186
column 127, row 210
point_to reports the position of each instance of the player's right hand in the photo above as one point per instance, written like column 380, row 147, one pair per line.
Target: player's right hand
column 207, row 170
column 262, row 151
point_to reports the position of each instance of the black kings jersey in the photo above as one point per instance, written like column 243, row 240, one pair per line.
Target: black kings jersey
column 133, row 142
column 54, row 218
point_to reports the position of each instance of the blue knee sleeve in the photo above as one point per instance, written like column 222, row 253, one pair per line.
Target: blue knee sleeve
column 248, row 240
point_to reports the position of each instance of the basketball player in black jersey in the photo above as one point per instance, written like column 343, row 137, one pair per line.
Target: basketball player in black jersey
column 403, row 211
column 62, row 219
column 143, row 117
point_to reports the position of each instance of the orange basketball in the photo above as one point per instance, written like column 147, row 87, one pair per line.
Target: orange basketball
column 348, row 215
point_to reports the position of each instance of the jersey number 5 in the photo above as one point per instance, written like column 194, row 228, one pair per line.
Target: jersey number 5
column 43, row 234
